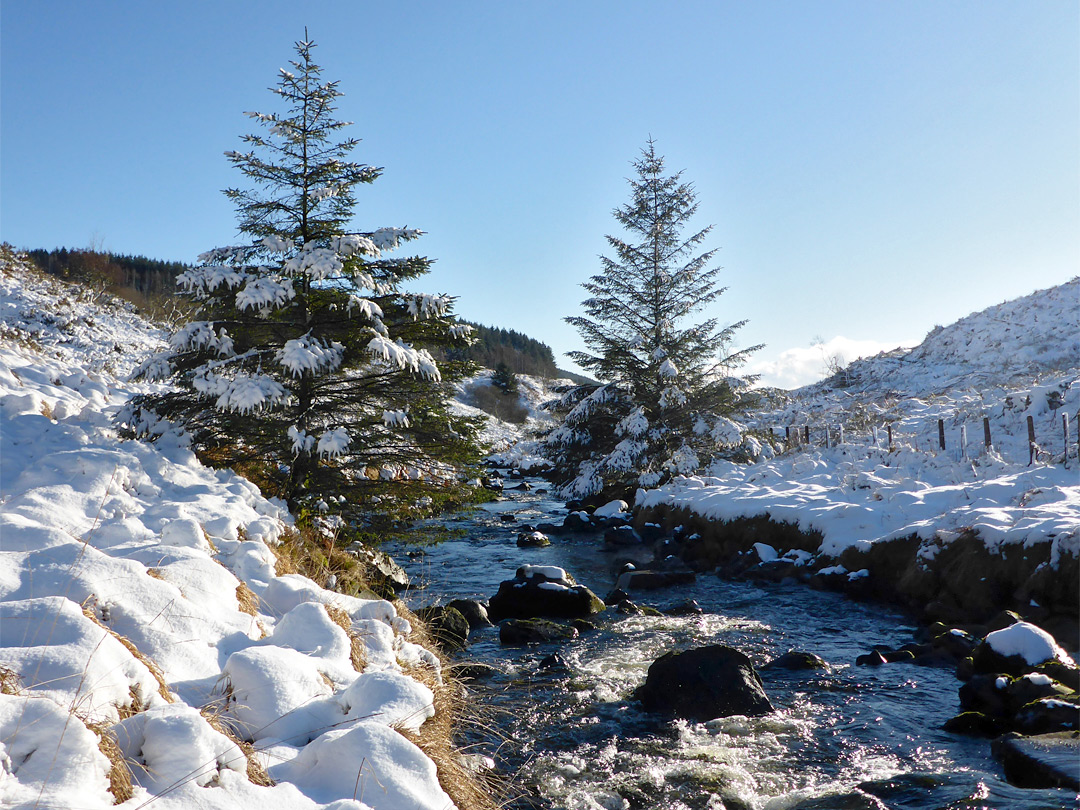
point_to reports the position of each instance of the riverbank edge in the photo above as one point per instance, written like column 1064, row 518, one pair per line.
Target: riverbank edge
column 961, row 582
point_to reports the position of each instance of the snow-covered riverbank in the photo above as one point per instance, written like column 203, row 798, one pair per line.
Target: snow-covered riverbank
column 142, row 618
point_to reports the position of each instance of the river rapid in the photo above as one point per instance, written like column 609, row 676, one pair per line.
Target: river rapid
column 566, row 732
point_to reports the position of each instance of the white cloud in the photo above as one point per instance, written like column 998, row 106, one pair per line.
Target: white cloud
column 793, row 368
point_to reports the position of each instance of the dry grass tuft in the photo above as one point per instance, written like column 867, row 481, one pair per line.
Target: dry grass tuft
column 46, row 410
column 308, row 552
column 137, row 705
column 119, row 772
column 357, row 651
column 248, row 601
column 155, row 670
column 10, row 683
column 256, row 773
column 156, row 573
column 468, row 789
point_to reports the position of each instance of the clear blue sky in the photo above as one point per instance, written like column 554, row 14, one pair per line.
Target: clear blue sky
column 872, row 169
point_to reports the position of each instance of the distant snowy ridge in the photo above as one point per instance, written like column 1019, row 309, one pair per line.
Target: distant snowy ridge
column 140, row 599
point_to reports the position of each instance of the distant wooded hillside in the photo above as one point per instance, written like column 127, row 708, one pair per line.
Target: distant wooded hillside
column 145, row 282
column 521, row 353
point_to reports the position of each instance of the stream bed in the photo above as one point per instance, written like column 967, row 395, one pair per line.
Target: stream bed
column 566, row 732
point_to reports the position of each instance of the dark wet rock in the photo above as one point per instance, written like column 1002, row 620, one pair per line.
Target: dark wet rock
column 578, row 522
column 651, row 532
column 492, row 482
column 1046, row 716
column 524, row 486
column 474, row 611
column 548, row 528
column 986, row 693
column 628, row 608
column 1034, row 686
column 448, row 627
column 853, row 800
column 988, row 656
column 583, row 626
column 534, row 631
column 898, row 656
column 704, row 683
column 643, row 580
column 474, row 671
column 532, row 540
column 871, row 659
column 965, row 668
column 622, row 536
column 955, row 642
column 1044, row 761
column 975, row 724
column 508, row 517
column 536, row 591
column 688, row 608
column 516, row 474
column 1062, row 673
column 795, row 660
column 616, row 597
column 553, row 662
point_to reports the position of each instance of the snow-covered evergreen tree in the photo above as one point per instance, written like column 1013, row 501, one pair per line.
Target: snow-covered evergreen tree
column 309, row 364
column 667, row 382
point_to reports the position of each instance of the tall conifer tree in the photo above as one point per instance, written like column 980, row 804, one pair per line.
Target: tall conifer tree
column 666, row 380
column 308, row 358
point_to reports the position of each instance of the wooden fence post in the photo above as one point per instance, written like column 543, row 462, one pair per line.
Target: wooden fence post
column 889, row 429
column 941, row 433
column 1031, row 439
column 986, row 432
column 806, row 434
column 787, row 436
column 1065, row 435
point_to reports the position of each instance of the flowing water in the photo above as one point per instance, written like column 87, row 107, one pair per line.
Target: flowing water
column 569, row 735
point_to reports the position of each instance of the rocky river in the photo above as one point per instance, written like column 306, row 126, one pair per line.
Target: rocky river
column 559, row 721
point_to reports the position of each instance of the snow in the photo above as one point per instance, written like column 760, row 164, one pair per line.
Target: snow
column 549, row 572
column 612, row 509
column 333, row 443
column 306, row 355
column 1031, row 643
column 121, row 572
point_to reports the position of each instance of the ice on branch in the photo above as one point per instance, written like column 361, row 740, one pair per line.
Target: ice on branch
column 683, row 461
column 398, row 354
column 429, row 306
column 369, row 309
column 461, row 331
column 301, row 441
column 625, row 455
column 353, row 244
column 726, row 433
column 395, row 418
column 204, row 280
column 265, row 295
column 277, row 244
column 317, row 263
column 199, row 336
column 390, row 238
column 244, row 394
column 667, row 368
column 306, row 354
column 634, row 424
column 333, row 443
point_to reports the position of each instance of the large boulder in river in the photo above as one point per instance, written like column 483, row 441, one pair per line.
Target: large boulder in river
column 1017, row 650
column 543, row 590
column 704, row 683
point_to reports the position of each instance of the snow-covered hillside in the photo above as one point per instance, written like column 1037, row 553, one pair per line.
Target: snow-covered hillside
column 500, row 436
column 142, row 619
column 1016, row 360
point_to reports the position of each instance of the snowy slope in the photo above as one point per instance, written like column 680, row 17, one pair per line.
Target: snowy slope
column 1004, row 364
column 139, row 601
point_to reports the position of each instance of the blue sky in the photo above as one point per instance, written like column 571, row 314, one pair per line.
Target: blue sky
column 871, row 169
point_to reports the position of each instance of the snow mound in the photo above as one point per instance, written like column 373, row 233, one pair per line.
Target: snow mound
column 1031, row 643
column 139, row 599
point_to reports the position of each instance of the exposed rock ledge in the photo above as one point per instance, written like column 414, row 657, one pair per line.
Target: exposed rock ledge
column 959, row 581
